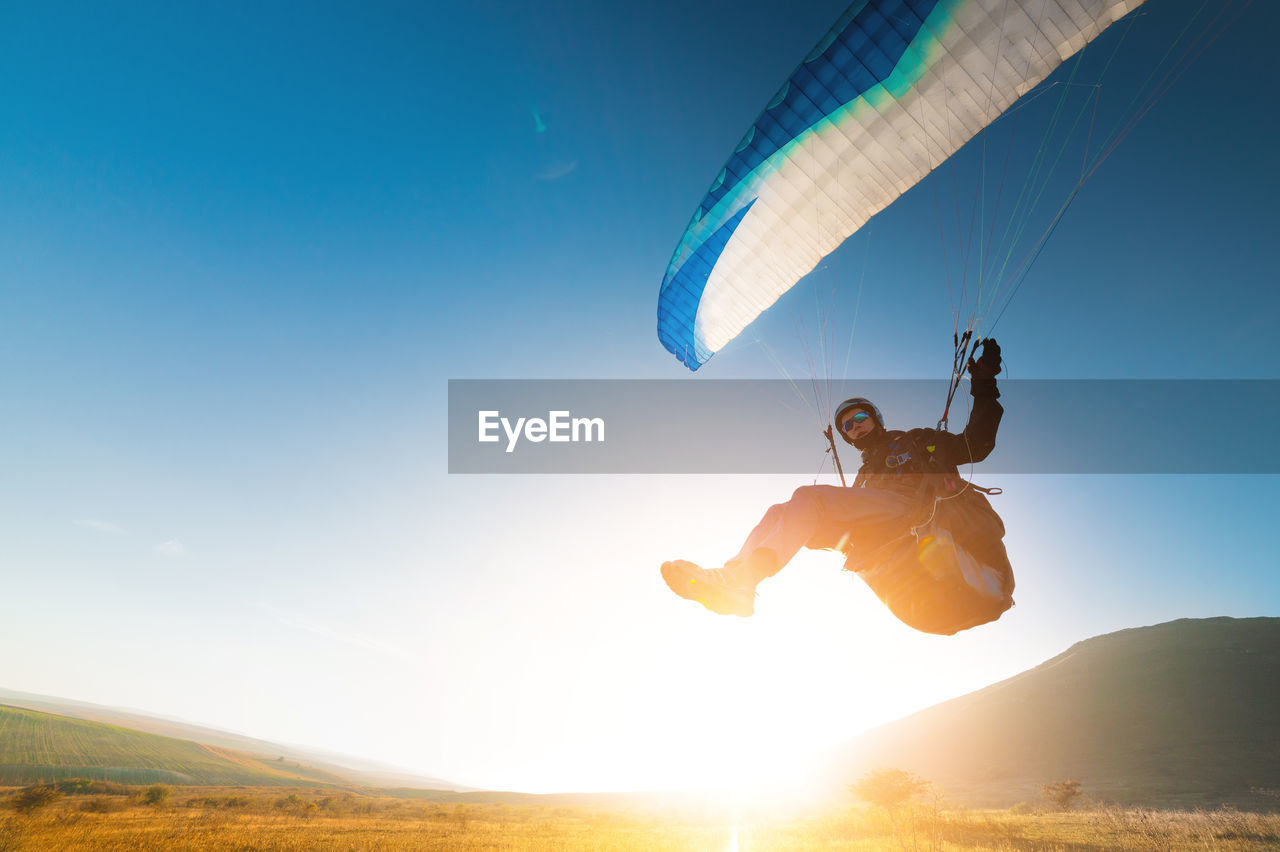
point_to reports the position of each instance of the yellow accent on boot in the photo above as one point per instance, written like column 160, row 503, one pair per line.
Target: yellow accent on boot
column 719, row 590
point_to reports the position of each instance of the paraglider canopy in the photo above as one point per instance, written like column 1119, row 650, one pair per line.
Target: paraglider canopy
column 889, row 93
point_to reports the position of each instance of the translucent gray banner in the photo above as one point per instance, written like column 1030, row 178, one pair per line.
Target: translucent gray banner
column 716, row 426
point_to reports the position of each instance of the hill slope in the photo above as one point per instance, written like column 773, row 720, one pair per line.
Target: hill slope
column 358, row 770
column 38, row 746
column 1183, row 714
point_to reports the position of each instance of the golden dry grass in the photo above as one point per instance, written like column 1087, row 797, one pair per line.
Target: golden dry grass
column 241, row 819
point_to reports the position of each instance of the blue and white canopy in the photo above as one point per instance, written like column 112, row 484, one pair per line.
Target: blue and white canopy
column 894, row 89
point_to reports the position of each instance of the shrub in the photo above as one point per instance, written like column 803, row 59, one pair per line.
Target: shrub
column 1062, row 794
column 102, row 805
column 90, row 787
column 1022, row 809
column 889, row 788
column 291, row 802
column 33, row 798
column 157, row 795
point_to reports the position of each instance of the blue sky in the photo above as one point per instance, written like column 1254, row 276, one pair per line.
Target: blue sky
column 245, row 249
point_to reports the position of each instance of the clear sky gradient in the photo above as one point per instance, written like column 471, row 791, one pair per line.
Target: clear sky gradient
column 243, row 249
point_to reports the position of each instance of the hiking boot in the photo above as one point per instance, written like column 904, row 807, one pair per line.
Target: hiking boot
column 721, row 590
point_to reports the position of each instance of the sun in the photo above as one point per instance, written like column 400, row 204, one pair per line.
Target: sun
column 753, row 706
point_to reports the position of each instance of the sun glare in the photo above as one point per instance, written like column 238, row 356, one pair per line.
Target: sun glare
column 756, row 704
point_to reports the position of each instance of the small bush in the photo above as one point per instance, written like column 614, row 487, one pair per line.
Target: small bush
column 156, row 795
column 32, row 798
column 90, row 787
column 291, row 802
column 102, row 805
column 1022, row 809
column 889, row 788
column 1062, row 794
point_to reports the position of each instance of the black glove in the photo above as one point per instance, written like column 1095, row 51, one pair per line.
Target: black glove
column 982, row 373
column 988, row 364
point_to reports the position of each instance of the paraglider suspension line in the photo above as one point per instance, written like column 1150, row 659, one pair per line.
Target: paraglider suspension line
column 831, row 442
column 962, row 353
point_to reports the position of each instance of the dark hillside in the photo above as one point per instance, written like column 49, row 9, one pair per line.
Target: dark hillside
column 1182, row 714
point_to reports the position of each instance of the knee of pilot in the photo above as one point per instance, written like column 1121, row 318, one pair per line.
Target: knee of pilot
column 805, row 494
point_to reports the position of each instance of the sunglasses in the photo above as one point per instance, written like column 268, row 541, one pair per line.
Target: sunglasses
column 853, row 420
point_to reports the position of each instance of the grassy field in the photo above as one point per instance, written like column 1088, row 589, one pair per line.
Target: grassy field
column 288, row 819
column 37, row 746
